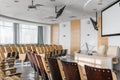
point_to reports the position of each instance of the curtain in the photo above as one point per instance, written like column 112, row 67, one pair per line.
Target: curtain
column 40, row 35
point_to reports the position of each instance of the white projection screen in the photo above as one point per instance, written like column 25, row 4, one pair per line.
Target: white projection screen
column 111, row 20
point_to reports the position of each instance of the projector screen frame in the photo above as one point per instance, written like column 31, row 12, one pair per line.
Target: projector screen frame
column 116, row 34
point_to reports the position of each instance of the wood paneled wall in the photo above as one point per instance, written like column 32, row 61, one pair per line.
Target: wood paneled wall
column 55, row 34
column 75, row 36
column 101, row 40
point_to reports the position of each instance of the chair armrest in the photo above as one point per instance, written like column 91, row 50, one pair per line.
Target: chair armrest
column 9, row 59
column 14, row 74
column 115, row 60
column 8, row 69
column 9, row 65
column 114, row 76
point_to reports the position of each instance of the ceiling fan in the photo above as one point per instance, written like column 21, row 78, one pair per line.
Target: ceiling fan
column 34, row 6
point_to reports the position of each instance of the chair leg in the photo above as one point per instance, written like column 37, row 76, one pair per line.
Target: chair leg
column 22, row 63
column 37, row 75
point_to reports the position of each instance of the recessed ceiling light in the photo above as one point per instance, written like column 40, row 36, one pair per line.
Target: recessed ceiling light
column 16, row 1
column 50, row 17
column 52, row 0
column 53, row 20
column 94, row 9
column 99, row 3
column 72, row 17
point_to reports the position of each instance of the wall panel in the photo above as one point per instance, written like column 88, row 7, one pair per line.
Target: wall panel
column 101, row 40
column 75, row 36
column 55, row 34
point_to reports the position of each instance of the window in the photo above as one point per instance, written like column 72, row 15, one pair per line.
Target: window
column 6, row 32
column 28, row 34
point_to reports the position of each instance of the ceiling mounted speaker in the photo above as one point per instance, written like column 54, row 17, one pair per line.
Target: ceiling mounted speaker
column 94, row 22
column 60, row 11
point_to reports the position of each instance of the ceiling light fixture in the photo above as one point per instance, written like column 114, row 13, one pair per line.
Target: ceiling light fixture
column 16, row 1
column 53, row 20
column 52, row 0
column 72, row 17
column 100, row 2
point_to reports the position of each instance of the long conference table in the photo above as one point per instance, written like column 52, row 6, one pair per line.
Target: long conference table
column 90, row 60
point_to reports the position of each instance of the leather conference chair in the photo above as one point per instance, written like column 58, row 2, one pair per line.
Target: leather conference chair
column 34, row 59
column 31, row 59
column 42, row 68
column 94, row 73
column 71, row 70
column 54, row 69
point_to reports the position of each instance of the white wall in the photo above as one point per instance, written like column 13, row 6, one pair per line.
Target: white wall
column 114, row 40
column 64, row 37
column 88, row 34
column 47, row 34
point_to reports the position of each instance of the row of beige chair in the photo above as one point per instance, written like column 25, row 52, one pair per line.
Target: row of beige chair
column 46, row 50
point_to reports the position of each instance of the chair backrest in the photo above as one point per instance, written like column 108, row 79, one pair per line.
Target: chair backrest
column 54, row 69
column 28, row 47
column 19, row 50
column 93, row 73
column 113, row 51
column 23, row 48
column 33, row 48
column 42, row 49
column 13, row 48
column 71, row 70
column 41, row 67
column 102, row 50
column 2, row 49
column 7, row 49
column 34, row 61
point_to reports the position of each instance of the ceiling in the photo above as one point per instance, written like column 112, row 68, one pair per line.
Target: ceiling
column 45, row 14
